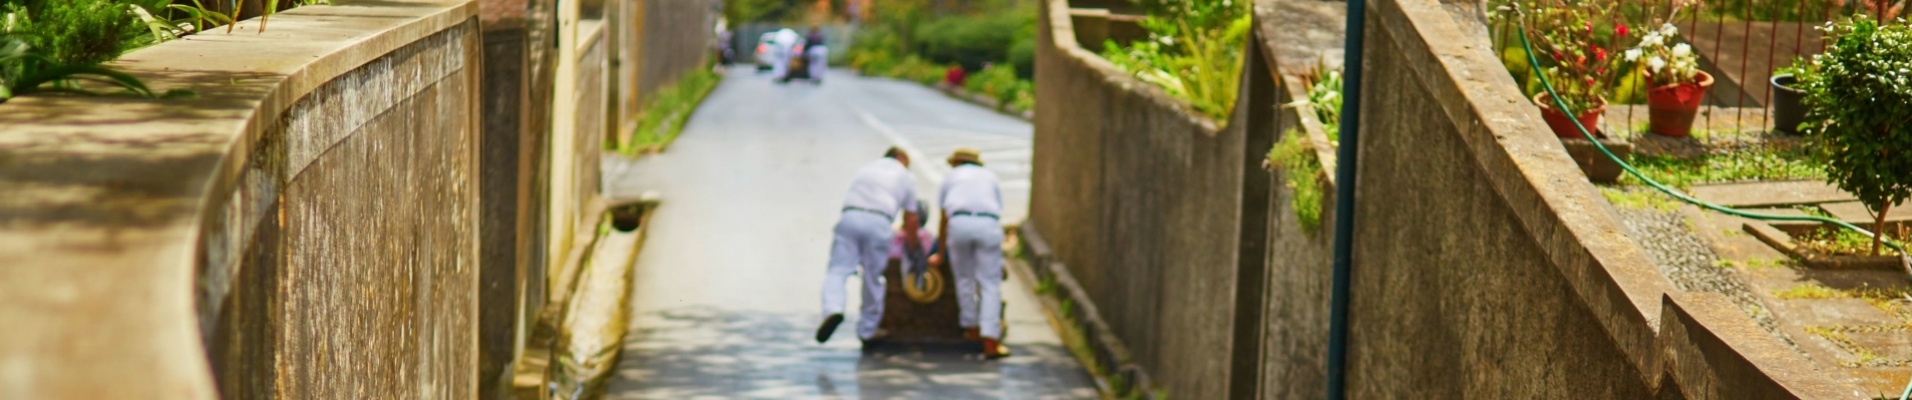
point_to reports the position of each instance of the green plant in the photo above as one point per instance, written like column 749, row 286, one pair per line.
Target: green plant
column 1295, row 155
column 1194, row 51
column 999, row 82
column 77, row 32
column 1859, row 112
column 1664, row 59
column 973, row 40
column 662, row 118
column 1574, row 40
column 1324, row 96
column 24, row 70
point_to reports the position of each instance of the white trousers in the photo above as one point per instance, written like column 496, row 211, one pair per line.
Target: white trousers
column 819, row 60
column 862, row 239
column 779, row 63
column 975, row 256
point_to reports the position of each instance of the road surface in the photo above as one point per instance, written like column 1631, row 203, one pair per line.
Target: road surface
column 725, row 299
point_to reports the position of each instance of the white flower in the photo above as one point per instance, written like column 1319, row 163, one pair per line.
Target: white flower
column 1650, row 40
column 1668, row 29
column 1633, row 55
column 1655, row 63
column 1682, row 50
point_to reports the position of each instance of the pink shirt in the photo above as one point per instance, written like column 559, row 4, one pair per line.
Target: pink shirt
column 925, row 237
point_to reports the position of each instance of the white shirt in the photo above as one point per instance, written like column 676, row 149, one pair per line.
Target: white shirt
column 883, row 185
column 971, row 188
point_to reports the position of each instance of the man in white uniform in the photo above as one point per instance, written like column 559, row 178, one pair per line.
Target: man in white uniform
column 972, row 202
column 881, row 190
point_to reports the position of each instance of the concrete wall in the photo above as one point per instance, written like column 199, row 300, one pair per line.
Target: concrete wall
column 1141, row 200
column 1485, row 265
column 513, row 142
column 671, row 37
column 302, row 229
column 1510, row 269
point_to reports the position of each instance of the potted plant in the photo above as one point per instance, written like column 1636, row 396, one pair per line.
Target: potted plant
column 1859, row 112
column 1788, row 111
column 1575, row 41
column 1678, row 84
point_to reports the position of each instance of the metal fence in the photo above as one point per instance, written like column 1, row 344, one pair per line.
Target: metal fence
column 1742, row 43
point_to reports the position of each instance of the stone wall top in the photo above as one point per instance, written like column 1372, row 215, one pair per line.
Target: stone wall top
column 102, row 198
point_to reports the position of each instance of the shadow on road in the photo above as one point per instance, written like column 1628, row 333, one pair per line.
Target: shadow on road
column 704, row 352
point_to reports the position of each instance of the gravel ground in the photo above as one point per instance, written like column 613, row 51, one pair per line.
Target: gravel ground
column 1686, row 260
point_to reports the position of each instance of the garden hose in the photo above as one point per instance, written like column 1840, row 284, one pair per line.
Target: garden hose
column 1534, row 63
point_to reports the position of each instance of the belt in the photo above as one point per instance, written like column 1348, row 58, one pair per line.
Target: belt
column 861, row 209
column 974, row 214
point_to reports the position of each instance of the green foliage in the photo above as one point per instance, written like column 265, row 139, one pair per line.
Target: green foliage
column 1002, row 39
column 1760, row 164
column 662, row 118
column 23, row 70
column 1194, row 51
column 745, row 11
column 1859, row 110
column 78, row 32
column 1295, row 155
column 1324, row 97
column 1577, row 43
column 972, row 40
column 1000, row 82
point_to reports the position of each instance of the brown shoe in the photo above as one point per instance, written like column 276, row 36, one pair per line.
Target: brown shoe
column 973, row 334
column 993, row 350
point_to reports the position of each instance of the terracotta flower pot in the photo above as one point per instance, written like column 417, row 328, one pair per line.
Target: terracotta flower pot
column 1671, row 108
column 1563, row 126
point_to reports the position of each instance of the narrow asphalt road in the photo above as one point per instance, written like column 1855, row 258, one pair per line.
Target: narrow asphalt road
column 726, row 290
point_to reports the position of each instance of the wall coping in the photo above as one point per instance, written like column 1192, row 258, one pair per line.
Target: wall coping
column 1062, row 36
column 106, row 197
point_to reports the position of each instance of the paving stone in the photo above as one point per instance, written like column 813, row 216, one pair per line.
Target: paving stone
column 1770, row 194
column 1835, row 312
column 1857, row 213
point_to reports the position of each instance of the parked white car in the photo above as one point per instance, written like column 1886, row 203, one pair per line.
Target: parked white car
column 773, row 48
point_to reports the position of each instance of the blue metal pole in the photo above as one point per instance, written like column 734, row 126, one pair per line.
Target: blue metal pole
column 1345, row 161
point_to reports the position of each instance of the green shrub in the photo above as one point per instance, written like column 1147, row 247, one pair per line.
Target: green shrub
column 1857, row 99
column 971, row 40
column 1194, row 51
column 996, row 81
column 1022, row 55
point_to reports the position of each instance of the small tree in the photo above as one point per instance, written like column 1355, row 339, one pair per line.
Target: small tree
column 1859, row 112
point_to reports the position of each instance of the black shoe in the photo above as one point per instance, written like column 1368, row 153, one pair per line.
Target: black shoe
column 876, row 341
column 829, row 327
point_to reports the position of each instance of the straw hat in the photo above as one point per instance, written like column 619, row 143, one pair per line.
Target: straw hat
column 969, row 154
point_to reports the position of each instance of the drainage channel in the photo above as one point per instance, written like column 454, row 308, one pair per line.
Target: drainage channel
column 584, row 332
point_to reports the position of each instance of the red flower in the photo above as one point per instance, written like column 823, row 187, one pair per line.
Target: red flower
column 1620, row 30
column 1589, row 27
column 1599, row 54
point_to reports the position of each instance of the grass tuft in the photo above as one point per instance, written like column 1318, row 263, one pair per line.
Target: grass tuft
column 1295, row 155
column 662, row 118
